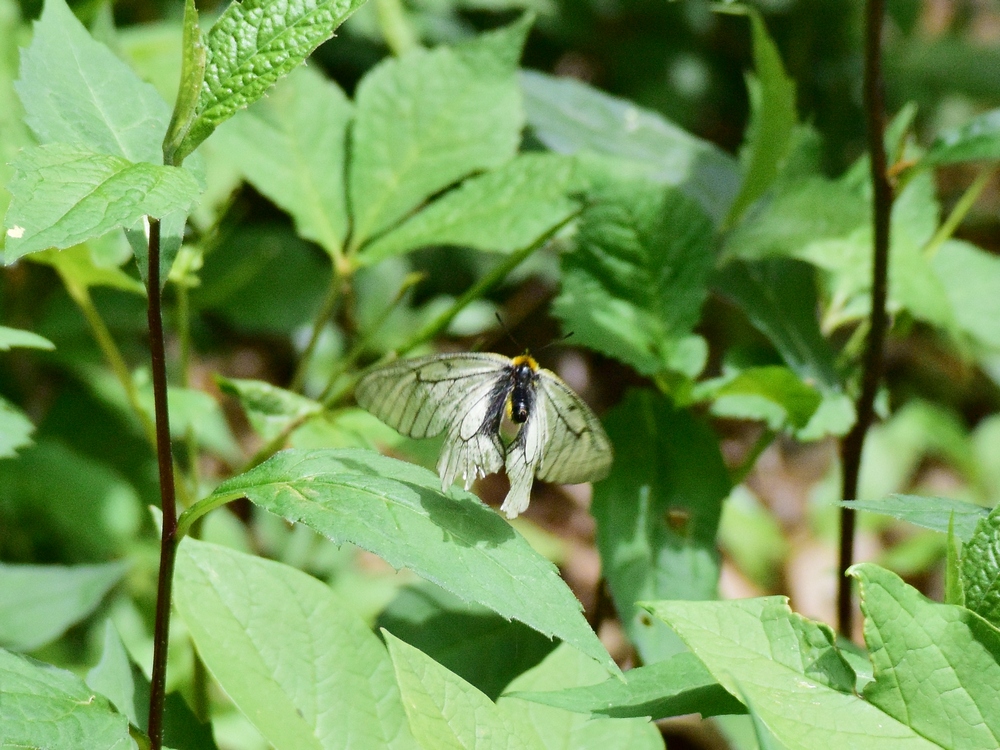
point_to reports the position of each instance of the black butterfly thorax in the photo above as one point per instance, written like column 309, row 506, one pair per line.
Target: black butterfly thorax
column 524, row 378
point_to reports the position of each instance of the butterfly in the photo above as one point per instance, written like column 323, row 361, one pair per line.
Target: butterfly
column 467, row 396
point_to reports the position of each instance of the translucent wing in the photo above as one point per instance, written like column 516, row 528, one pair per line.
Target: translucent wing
column 524, row 455
column 464, row 394
column 577, row 448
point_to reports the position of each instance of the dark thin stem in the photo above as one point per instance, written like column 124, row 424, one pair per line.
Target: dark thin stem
column 871, row 375
column 168, row 502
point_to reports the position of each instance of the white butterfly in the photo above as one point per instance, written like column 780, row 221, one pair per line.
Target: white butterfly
column 559, row 438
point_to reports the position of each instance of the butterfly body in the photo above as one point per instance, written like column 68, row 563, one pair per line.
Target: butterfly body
column 467, row 396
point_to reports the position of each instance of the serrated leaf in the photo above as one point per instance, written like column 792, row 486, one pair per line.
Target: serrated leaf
column 269, row 408
column 64, row 195
column 428, row 119
column 981, row 569
column 929, row 512
column 558, row 728
column 675, row 686
column 570, row 117
column 935, row 664
column 473, row 642
column 398, row 511
column 15, row 132
column 777, row 387
column 15, row 429
column 800, row 686
column 978, row 139
column 779, row 298
column 658, row 512
column 76, row 91
column 500, row 211
column 45, row 707
column 773, row 118
column 634, row 284
column 251, row 46
column 446, row 712
column 252, row 619
column 11, row 338
column 291, row 147
column 42, row 601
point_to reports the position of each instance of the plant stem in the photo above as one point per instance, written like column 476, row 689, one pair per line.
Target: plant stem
column 871, row 376
column 168, row 503
column 396, row 28
column 329, row 303
column 966, row 202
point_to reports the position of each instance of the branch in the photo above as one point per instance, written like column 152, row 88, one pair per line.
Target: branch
column 874, row 103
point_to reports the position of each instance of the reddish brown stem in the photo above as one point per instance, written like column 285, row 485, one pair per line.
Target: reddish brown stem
column 871, row 374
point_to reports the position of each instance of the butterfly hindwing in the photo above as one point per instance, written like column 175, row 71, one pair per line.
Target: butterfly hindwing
column 578, row 449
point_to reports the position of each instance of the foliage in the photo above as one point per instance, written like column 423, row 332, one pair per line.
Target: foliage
column 339, row 597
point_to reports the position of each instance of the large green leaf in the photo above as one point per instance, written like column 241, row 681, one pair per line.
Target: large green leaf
column 634, row 285
column 15, row 132
column 673, row 687
column 446, row 712
column 251, row 46
column 971, row 277
column 15, row 429
column 76, row 91
column 42, row 601
column 978, row 139
column 45, row 707
column 557, row 728
column 428, row 119
column 499, row 211
column 291, row 147
column 290, row 654
column 570, row 117
column 800, row 687
column 476, row 644
column 399, row 512
column 64, row 195
column 936, row 665
column 658, row 512
column 773, row 393
column 981, row 569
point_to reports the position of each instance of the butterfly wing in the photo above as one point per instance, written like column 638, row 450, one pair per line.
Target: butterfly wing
column 463, row 394
column 524, row 455
column 577, row 449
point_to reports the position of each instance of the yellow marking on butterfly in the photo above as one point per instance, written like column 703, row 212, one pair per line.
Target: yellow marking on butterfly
column 558, row 438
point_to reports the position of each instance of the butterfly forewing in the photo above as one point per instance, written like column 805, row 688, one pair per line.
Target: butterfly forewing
column 578, row 449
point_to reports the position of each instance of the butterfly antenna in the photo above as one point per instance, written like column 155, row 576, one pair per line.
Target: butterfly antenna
column 506, row 330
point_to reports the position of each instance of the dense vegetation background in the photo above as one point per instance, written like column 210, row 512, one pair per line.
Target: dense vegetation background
column 694, row 211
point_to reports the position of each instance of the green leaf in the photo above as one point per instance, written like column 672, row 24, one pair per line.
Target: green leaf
column 476, row 644
column 929, row 512
column 970, row 277
column 740, row 395
column 446, row 712
column 570, row 117
column 78, row 265
column 954, row 585
column 64, row 195
column 397, row 511
column 11, row 338
column 193, row 61
column 42, row 601
column 76, row 91
column 118, row 678
column 558, row 728
column 290, row 146
column 978, row 139
column 779, row 298
column 15, row 429
column 799, row 685
column 658, row 512
column 676, row 686
column 251, row 46
column 634, row 285
column 772, row 120
column 428, row 119
column 15, row 132
column 269, row 408
column 981, row 569
column 253, row 620
column 500, row 211
column 45, row 707
column 935, row 664
column 194, row 411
